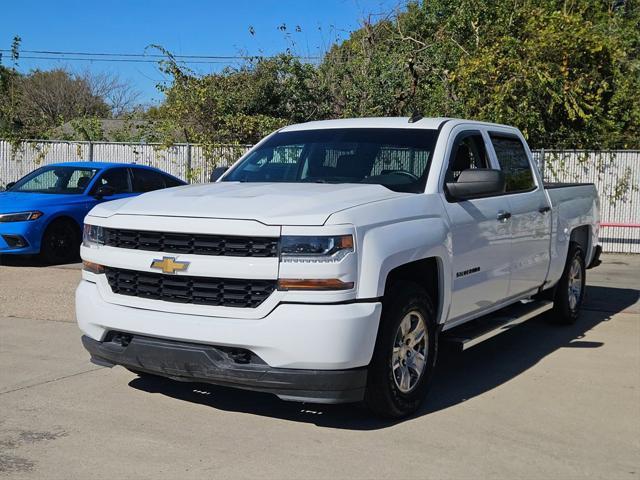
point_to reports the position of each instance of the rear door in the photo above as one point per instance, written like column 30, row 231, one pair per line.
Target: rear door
column 145, row 180
column 530, row 214
column 480, row 241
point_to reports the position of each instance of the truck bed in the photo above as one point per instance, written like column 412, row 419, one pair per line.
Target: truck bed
column 573, row 205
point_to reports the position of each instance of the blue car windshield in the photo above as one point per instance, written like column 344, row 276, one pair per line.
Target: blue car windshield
column 56, row 179
column 395, row 158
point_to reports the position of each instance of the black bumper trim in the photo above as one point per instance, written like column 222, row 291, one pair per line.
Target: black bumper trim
column 209, row 364
column 15, row 241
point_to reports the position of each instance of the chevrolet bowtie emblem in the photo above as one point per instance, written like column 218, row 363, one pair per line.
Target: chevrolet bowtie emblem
column 170, row 265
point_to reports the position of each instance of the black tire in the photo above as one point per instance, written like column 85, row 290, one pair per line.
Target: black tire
column 60, row 242
column 565, row 310
column 384, row 396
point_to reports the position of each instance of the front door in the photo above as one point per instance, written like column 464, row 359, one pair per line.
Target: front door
column 119, row 179
column 480, row 239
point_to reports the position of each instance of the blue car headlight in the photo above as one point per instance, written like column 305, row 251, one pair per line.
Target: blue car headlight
column 20, row 216
column 92, row 236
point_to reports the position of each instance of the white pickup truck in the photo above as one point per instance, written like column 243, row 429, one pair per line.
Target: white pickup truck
column 328, row 263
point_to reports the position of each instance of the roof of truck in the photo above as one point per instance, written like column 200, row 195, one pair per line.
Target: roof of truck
column 371, row 122
column 429, row 123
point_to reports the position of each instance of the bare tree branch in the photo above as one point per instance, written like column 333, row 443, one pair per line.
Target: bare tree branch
column 119, row 94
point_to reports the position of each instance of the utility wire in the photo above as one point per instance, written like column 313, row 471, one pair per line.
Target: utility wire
column 144, row 55
column 129, row 60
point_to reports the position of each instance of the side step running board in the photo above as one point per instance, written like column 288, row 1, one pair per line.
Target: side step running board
column 481, row 329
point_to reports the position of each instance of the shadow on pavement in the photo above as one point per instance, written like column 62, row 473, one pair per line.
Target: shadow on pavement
column 460, row 376
column 31, row 261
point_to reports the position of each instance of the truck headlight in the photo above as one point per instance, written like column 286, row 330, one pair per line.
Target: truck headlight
column 20, row 217
column 92, row 236
column 315, row 249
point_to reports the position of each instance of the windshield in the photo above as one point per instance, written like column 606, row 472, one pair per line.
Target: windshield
column 56, row 179
column 395, row 158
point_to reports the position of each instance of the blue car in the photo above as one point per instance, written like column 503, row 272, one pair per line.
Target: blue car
column 43, row 212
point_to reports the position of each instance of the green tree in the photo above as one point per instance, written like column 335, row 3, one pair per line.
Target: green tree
column 238, row 105
column 566, row 73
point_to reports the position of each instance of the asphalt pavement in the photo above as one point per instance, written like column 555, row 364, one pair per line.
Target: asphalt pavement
column 538, row 401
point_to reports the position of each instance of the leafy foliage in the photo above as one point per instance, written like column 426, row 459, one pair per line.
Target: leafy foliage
column 566, row 72
column 237, row 105
column 34, row 105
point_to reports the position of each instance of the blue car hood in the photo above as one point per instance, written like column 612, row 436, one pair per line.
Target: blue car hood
column 21, row 202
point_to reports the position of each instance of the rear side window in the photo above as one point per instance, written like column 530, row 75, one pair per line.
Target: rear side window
column 514, row 162
column 146, row 180
column 171, row 182
column 468, row 152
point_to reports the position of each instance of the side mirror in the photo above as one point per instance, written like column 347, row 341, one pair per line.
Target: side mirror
column 217, row 173
column 9, row 185
column 104, row 191
column 477, row 182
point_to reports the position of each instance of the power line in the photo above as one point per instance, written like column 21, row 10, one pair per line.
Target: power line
column 116, row 60
column 54, row 54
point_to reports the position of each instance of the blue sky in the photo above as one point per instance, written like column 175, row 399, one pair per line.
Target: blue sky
column 187, row 27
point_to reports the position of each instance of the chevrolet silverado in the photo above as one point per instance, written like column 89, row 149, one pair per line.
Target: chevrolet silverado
column 328, row 263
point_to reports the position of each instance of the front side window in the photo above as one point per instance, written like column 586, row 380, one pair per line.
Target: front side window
column 117, row 178
column 56, row 180
column 397, row 158
column 514, row 162
column 468, row 152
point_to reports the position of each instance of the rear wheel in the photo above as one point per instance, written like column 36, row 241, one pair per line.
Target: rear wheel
column 569, row 293
column 405, row 353
column 60, row 242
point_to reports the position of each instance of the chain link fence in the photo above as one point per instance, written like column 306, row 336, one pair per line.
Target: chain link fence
column 185, row 161
column 616, row 173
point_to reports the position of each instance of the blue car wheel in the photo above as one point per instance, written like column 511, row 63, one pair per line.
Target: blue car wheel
column 60, row 242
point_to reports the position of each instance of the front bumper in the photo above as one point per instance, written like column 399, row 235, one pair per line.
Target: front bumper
column 316, row 350
column 29, row 232
column 228, row 367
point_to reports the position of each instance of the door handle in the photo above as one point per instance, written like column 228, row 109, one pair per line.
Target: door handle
column 503, row 216
column 544, row 210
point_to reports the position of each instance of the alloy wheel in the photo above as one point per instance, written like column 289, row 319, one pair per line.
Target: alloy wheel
column 575, row 284
column 408, row 359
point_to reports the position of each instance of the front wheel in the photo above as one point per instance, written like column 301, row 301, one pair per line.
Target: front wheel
column 60, row 243
column 405, row 354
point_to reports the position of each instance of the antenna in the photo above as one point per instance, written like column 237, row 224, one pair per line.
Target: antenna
column 415, row 116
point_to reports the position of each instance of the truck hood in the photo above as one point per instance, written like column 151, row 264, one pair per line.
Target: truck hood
column 268, row 203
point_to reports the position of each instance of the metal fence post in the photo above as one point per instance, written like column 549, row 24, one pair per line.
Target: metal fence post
column 188, row 172
column 90, row 151
column 541, row 163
